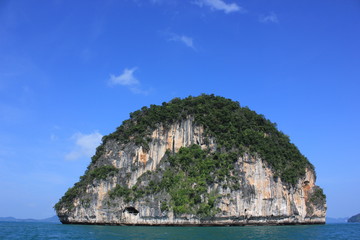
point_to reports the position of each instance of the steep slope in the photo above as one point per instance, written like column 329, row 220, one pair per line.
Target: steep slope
column 200, row 160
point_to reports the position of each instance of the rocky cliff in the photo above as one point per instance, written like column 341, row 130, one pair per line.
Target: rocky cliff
column 180, row 169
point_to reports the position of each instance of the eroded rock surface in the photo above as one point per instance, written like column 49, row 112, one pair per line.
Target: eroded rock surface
column 258, row 195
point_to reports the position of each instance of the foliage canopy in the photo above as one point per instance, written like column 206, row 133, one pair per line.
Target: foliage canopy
column 235, row 128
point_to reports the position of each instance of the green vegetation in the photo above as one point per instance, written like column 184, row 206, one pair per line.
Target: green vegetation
column 234, row 128
column 100, row 173
column 318, row 198
column 164, row 207
column 99, row 151
column 191, row 170
column 120, row 191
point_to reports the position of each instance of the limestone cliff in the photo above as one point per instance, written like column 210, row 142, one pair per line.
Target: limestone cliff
column 158, row 182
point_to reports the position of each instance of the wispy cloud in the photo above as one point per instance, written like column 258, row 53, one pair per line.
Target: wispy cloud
column 270, row 18
column 220, row 5
column 188, row 41
column 127, row 79
column 84, row 145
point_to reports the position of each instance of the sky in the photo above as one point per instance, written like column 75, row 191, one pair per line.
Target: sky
column 72, row 71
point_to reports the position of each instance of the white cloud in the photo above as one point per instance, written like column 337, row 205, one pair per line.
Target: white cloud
column 125, row 79
column 271, row 18
column 188, row 41
column 85, row 145
column 220, row 5
column 128, row 80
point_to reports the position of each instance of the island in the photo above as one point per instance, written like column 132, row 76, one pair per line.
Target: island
column 355, row 218
column 197, row 161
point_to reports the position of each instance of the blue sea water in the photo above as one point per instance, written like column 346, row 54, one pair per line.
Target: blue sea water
column 42, row 231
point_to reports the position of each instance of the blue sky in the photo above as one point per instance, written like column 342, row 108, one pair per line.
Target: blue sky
column 72, row 71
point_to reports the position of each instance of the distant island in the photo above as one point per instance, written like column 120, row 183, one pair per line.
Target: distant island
column 336, row 220
column 355, row 218
column 53, row 219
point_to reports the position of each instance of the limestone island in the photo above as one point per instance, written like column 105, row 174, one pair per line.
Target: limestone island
column 197, row 161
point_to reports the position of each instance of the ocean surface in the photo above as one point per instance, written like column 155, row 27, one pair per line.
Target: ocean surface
column 42, row 231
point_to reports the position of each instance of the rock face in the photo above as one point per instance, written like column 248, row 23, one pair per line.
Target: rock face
column 130, row 191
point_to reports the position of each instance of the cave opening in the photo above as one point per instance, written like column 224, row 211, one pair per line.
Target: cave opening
column 131, row 210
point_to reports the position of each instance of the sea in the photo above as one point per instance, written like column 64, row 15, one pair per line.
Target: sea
column 47, row 231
